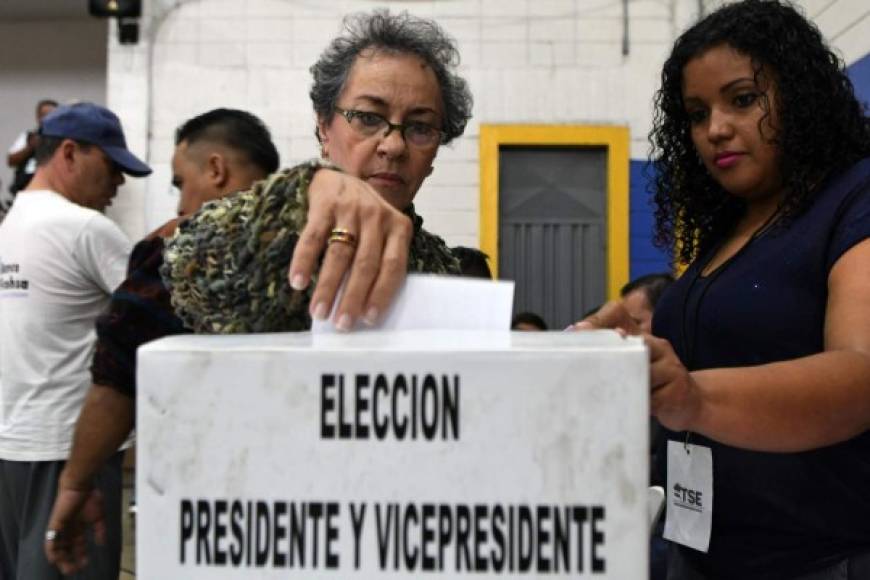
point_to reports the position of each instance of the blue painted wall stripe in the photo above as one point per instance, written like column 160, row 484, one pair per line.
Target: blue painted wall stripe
column 645, row 258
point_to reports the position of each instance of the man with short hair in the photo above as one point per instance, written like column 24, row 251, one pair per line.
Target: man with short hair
column 61, row 260
column 21, row 154
column 216, row 154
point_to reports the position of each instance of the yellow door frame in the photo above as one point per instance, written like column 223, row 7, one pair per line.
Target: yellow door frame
column 614, row 139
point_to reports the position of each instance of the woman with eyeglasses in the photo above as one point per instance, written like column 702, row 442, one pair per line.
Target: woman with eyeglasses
column 386, row 97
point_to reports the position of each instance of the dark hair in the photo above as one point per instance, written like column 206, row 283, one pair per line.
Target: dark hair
column 472, row 262
column 528, row 318
column 44, row 102
column 652, row 285
column 47, row 145
column 394, row 33
column 821, row 126
column 236, row 129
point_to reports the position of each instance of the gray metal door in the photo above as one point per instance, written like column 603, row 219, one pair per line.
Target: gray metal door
column 553, row 230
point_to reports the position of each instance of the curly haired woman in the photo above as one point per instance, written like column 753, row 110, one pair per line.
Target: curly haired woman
column 760, row 363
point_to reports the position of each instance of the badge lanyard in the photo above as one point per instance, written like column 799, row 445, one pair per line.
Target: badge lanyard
column 690, row 496
column 689, row 349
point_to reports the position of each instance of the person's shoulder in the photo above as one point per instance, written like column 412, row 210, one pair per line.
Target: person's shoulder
column 101, row 225
column 147, row 254
column 167, row 230
column 472, row 262
column 52, row 206
column 862, row 171
column 862, row 165
column 854, row 183
column 854, row 178
column 848, row 191
column 95, row 230
column 836, row 195
column 840, row 216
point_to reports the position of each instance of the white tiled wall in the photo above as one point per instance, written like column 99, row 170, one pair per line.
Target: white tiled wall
column 527, row 61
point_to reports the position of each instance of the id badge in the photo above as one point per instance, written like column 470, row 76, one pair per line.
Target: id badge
column 689, row 518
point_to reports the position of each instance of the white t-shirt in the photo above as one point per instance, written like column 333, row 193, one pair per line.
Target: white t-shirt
column 18, row 145
column 59, row 263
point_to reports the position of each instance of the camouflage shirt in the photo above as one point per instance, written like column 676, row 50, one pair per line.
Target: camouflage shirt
column 226, row 266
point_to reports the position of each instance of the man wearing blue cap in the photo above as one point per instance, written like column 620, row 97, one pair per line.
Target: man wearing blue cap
column 60, row 260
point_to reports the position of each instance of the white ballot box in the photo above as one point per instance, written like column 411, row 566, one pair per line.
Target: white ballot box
column 397, row 454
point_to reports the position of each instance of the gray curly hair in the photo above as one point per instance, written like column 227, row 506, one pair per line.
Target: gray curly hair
column 400, row 33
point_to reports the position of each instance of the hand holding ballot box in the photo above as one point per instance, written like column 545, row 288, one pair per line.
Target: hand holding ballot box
column 393, row 454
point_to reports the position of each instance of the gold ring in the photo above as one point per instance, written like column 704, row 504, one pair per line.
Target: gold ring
column 343, row 236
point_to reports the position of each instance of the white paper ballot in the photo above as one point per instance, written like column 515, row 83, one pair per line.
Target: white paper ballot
column 428, row 302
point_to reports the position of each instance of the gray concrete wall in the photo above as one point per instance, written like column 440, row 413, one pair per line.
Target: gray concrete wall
column 60, row 59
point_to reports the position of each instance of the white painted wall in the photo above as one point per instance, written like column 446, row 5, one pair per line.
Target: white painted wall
column 60, row 59
column 527, row 61
column 845, row 24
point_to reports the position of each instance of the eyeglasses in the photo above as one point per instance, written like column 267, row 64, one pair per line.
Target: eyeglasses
column 416, row 133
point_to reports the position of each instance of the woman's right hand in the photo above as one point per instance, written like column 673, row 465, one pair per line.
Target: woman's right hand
column 675, row 398
column 375, row 267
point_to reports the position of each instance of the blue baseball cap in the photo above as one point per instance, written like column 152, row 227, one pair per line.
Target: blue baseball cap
column 96, row 125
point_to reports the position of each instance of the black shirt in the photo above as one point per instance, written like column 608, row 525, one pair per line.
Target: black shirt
column 776, row 514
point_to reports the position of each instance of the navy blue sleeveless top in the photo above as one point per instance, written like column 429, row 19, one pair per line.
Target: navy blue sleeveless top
column 776, row 514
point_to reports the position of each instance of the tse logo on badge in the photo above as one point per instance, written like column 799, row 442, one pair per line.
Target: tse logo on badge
column 687, row 498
